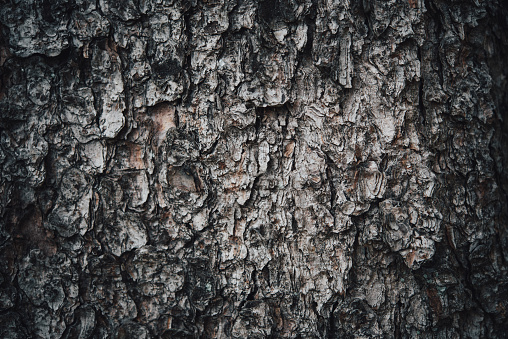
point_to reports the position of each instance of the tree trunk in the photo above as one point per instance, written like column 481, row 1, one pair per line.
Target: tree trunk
column 253, row 169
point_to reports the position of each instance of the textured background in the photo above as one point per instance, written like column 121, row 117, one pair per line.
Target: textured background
column 285, row 168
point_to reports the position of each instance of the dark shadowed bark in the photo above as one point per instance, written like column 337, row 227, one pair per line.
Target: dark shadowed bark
column 253, row 169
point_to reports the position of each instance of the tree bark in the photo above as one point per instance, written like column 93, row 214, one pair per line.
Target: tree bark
column 253, row 169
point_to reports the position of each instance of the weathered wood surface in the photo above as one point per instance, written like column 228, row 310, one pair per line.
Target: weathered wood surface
column 234, row 169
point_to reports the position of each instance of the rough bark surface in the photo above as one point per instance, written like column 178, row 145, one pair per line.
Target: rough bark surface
column 253, row 169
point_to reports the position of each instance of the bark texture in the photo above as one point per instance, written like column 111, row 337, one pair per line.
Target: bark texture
column 253, row 169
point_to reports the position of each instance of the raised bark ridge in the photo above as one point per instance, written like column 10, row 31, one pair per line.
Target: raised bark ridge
column 253, row 169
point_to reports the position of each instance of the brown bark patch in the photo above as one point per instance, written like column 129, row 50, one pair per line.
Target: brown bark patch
column 435, row 301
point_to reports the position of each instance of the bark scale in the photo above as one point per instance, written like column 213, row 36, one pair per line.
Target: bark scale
column 234, row 169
